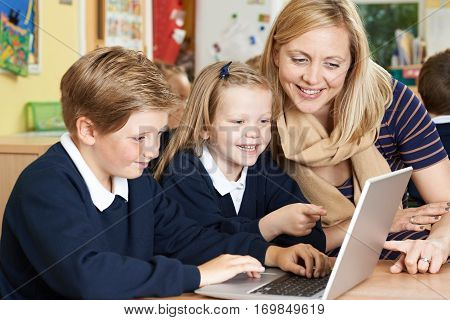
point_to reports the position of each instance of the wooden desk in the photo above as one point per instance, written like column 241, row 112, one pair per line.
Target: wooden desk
column 383, row 285
column 16, row 153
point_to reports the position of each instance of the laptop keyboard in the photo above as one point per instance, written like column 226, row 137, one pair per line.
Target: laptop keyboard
column 291, row 285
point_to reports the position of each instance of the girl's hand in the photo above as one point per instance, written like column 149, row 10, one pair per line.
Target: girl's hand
column 301, row 259
column 415, row 219
column 296, row 219
column 226, row 266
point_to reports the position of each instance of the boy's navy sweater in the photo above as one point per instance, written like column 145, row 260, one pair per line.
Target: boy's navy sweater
column 56, row 244
column 444, row 133
column 267, row 189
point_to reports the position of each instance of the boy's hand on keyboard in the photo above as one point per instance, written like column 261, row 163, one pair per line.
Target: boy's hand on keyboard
column 301, row 259
column 297, row 219
column 226, row 266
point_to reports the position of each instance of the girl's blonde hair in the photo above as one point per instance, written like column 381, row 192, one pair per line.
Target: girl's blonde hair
column 367, row 91
column 202, row 105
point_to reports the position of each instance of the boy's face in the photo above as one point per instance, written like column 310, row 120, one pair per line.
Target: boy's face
column 241, row 128
column 127, row 152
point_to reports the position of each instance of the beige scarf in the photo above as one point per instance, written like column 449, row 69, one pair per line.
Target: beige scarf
column 306, row 144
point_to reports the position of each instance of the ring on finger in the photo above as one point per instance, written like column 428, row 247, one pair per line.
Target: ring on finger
column 425, row 259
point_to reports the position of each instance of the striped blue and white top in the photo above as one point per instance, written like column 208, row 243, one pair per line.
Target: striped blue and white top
column 407, row 137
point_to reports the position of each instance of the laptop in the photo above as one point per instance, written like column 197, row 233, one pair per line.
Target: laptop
column 357, row 258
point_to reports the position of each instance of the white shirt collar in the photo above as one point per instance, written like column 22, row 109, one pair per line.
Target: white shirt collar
column 220, row 182
column 100, row 196
column 441, row 119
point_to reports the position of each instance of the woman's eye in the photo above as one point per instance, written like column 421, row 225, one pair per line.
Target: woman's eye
column 265, row 121
column 299, row 60
column 237, row 121
column 140, row 139
column 332, row 65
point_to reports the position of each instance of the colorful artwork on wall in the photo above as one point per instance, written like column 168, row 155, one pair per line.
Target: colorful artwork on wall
column 14, row 47
column 24, row 14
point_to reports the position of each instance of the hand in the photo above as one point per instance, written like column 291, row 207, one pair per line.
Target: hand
column 415, row 219
column 419, row 255
column 226, row 266
column 301, row 259
column 296, row 219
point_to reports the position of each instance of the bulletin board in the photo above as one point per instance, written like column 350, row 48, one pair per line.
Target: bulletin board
column 124, row 25
column 21, row 23
column 118, row 23
column 168, row 31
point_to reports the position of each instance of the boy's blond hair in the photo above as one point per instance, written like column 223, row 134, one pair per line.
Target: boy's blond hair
column 202, row 104
column 108, row 84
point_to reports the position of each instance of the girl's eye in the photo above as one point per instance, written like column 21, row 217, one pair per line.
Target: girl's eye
column 237, row 121
column 265, row 121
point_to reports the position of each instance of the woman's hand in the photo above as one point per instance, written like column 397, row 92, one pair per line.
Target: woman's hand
column 296, row 219
column 415, row 219
column 226, row 266
column 419, row 255
column 301, row 259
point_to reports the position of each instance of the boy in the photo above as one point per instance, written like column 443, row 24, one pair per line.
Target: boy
column 83, row 222
column 434, row 89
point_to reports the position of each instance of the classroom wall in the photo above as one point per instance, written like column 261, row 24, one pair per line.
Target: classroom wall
column 59, row 49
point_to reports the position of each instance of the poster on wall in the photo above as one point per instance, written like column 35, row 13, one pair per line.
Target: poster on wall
column 124, row 24
column 22, row 15
column 14, row 47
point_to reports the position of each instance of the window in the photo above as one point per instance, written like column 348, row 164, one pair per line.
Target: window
column 381, row 18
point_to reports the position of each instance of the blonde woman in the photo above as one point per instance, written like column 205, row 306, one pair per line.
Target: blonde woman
column 344, row 119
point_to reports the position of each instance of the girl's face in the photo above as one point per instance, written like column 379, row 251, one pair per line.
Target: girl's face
column 241, row 129
column 127, row 152
column 312, row 67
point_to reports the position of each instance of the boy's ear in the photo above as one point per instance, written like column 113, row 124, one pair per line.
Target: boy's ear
column 85, row 131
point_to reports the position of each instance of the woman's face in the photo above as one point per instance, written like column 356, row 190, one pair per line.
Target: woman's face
column 312, row 67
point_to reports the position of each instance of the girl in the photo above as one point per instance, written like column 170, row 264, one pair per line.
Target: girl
column 216, row 168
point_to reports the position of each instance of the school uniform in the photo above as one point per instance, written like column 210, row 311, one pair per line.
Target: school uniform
column 66, row 236
column 443, row 128
column 207, row 196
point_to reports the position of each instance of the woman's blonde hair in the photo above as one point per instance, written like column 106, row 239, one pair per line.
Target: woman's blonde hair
column 367, row 91
column 202, row 105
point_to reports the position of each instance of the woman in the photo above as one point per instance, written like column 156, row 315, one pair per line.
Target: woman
column 345, row 120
